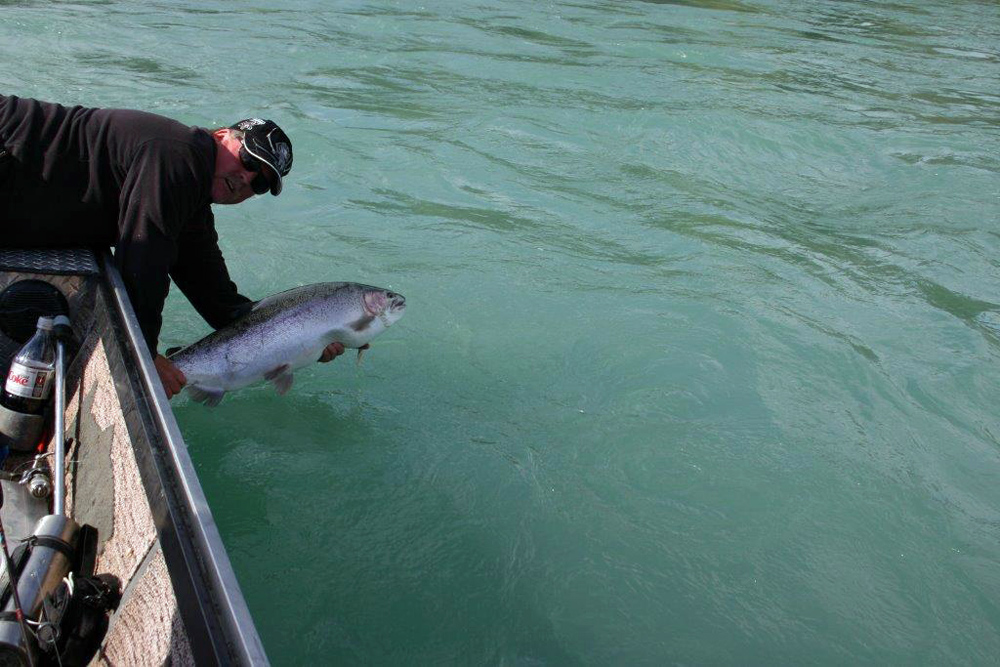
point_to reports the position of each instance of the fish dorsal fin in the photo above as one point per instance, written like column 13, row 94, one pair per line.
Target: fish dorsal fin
column 257, row 305
column 268, row 300
column 291, row 295
column 210, row 397
column 281, row 377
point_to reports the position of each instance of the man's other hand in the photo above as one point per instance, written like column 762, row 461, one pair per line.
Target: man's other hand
column 331, row 352
column 334, row 350
column 171, row 377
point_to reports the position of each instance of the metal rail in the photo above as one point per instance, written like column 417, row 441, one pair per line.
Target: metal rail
column 59, row 433
column 232, row 609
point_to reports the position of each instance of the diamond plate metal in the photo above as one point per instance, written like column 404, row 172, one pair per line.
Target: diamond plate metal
column 60, row 261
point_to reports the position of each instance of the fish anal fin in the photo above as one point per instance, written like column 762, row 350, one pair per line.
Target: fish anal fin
column 281, row 378
column 210, row 397
column 275, row 372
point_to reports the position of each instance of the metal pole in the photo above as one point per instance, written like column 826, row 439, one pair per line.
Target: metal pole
column 59, row 467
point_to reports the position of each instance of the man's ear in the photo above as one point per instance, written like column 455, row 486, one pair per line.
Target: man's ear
column 226, row 136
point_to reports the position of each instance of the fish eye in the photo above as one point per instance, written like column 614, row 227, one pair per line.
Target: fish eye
column 390, row 295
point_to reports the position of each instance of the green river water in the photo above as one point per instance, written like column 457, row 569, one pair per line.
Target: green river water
column 701, row 361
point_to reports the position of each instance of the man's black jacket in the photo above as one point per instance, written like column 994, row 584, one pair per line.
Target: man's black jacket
column 72, row 176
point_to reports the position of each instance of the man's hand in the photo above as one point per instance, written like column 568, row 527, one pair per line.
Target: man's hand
column 171, row 377
column 334, row 350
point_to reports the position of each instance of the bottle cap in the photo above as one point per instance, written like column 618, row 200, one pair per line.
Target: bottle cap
column 45, row 322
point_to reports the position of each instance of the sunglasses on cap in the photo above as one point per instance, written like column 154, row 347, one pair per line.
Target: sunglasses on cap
column 259, row 184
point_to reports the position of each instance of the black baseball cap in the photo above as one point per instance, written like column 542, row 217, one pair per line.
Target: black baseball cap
column 264, row 140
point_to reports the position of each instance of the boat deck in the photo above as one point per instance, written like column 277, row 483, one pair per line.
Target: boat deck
column 130, row 477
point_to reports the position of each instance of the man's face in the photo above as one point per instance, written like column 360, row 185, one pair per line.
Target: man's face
column 231, row 183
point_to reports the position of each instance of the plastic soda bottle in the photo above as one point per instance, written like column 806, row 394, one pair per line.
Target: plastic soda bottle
column 32, row 372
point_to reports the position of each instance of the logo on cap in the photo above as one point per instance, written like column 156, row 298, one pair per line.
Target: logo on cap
column 264, row 140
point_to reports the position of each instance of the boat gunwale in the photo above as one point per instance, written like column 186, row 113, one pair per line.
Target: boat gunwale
column 188, row 533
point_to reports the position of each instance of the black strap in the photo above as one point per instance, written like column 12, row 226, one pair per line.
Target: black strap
column 86, row 551
column 55, row 543
column 18, row 559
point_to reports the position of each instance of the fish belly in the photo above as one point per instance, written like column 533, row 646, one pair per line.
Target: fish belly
column 241, row 363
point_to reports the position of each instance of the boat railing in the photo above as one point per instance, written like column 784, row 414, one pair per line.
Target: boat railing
column 188, row 533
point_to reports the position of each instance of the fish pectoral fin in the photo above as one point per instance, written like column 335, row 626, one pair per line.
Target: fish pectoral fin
column 361, row 353
column 281, row 378
column 210, row 397
column 336, row 335
column 362, row 323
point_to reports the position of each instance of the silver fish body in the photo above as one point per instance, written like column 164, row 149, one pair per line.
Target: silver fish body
column 284, row 332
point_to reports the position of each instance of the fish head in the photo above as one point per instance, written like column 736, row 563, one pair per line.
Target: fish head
column 385, row 305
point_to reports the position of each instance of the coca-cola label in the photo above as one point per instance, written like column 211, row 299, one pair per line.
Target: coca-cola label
column 28, row 382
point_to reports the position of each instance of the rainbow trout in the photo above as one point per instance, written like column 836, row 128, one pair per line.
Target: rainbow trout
column 284, row 332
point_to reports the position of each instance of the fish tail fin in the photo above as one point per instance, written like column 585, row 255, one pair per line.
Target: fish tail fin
column 210, row 397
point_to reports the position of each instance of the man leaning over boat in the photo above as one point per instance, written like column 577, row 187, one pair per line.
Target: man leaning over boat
column 144, row 184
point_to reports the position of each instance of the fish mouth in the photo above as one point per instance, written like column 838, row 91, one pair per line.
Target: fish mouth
column 393, row 309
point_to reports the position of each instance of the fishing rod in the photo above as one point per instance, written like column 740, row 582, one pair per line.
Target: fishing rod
column 12, row 578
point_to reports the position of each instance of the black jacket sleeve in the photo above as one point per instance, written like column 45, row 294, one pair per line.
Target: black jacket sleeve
column 166, row 228
column 151, row 211
column 201, row 274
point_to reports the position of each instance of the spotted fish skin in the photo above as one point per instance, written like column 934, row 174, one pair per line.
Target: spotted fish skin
column 284, row 332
